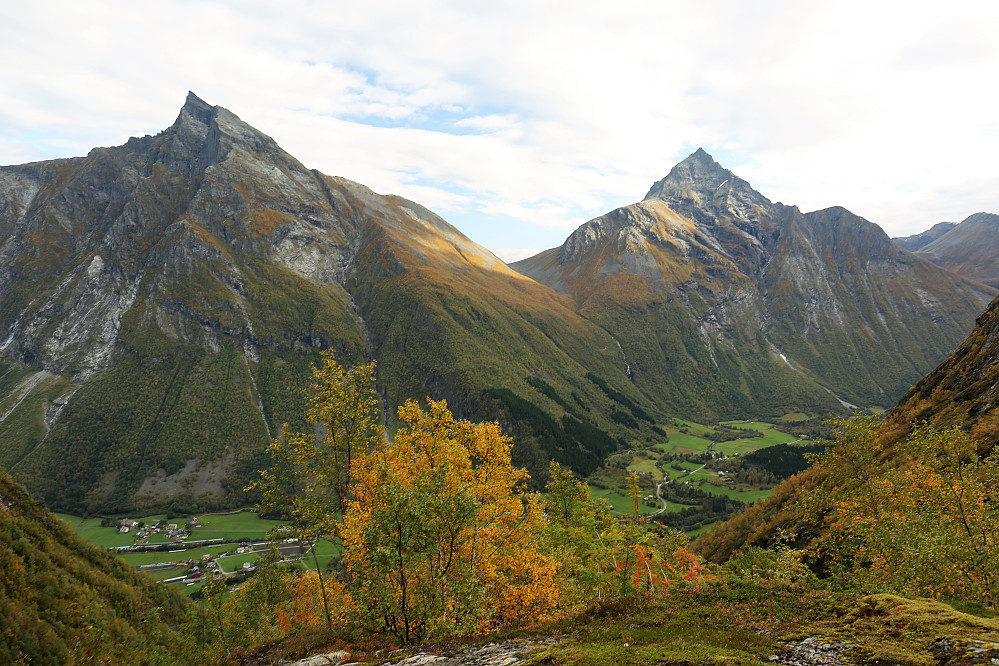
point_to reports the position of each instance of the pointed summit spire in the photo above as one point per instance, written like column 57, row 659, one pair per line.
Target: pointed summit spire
column 700, row 156
column 194, row 100
column 697, row 173
column 197, row 108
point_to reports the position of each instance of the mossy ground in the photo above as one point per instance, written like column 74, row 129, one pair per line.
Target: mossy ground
column 737, row 623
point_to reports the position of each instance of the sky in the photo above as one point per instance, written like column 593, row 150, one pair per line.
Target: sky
column 519, row 121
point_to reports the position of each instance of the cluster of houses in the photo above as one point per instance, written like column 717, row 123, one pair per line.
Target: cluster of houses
column 172, row 530
column 195, row 569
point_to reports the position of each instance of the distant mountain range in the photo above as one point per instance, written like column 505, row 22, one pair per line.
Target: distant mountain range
column 161, row 303
column 918, row 241
column 970, row 249
column 726, row 303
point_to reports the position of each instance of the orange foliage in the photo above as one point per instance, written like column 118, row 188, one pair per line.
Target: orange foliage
column 266, row 220
column 685, row 565
column 441, row 534
column 306, row 609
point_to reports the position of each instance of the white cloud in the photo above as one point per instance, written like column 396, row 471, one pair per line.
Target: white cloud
column 883, row 107
column 490, row 123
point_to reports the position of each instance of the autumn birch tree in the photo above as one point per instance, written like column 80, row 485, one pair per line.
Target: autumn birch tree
column 311, row 478
column 440, row 535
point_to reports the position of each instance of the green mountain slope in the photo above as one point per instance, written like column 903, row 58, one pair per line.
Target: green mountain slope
column 727, row 304
column 961, row 391
column 162, row 302
column 65, row 600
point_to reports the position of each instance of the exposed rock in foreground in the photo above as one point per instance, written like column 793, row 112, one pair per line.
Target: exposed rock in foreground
column 505, row 653
column 965, row 652
column 814, row 651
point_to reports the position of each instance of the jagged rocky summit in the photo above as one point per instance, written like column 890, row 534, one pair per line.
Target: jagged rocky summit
column 161, row 303
column 726, row 302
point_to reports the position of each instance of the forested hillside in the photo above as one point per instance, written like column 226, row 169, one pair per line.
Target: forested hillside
column 941, row 435
column 65, row 600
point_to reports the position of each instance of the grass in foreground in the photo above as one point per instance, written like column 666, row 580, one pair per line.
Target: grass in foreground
column 739, row 623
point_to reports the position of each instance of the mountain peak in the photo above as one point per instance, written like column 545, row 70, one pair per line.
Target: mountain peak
column 206, row 134
column 700, row 156
column 195, row 102
column 697, row 175
column 196, row 109
column 195, row 118
column 700, row 188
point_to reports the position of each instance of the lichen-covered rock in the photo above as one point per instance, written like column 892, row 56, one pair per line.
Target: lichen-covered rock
column 951, row 652
column 814, row 651
column 505, row 653
column 337, row 658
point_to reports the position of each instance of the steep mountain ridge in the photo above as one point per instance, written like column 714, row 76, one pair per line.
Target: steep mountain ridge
column 706, row 283
column 970, row 248
column 162, row 302
column 916, row 242
column 963, row 392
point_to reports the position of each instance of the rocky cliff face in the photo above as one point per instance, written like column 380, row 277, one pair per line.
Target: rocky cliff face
column 150, row 220
column 161, row 303
column 707, row 283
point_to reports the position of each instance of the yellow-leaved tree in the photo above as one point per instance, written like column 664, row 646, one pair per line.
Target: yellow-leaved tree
column 311, row 478
column 440, row 535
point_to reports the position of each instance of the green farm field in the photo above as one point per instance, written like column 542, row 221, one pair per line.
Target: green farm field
column 620, row 500
column 771, row 436
column 91, row 530
column 234, row 526
column 645, row 465
column 158, row 557
column 747, row 496
column 325, row 551
column 681, row 442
